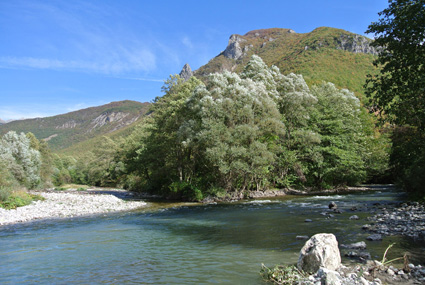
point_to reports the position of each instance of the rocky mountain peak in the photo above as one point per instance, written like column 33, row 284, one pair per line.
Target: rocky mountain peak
column 186, row 72
column 233, row 49
column 357, row 44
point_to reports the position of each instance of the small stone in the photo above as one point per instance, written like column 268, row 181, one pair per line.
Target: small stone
column 354, row 217
column 363, row 281
column 308, row 220
column 366, row 227
column 390, row 272
column 302, row 237
column 332, row 205
column 374, row 237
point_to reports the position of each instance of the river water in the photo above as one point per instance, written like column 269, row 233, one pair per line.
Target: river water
column 188, row 244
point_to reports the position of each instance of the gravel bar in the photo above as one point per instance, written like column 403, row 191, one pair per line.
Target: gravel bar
column 69, row 205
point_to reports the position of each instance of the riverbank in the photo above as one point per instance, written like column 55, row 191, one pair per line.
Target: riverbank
column 69, row 204
column 408, row 219
column 272, row 193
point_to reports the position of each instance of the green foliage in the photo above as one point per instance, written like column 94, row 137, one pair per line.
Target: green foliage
column 282, row 274
column 185, row 191
column 398, row 91
column 21, row 160
column 18, row 198
column 315, row 55
column 251, row 131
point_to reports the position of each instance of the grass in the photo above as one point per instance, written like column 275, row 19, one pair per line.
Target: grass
column 18, row 198
column 78, row 187
column 282, row 274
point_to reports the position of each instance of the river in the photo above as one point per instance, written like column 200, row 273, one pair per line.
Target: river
column 187, row 244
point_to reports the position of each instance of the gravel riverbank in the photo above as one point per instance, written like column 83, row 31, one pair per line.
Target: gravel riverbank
column 408, row 219
column 70, row 204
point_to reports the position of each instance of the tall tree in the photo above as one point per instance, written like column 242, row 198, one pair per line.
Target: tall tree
column 398, row 92
column 399, row 89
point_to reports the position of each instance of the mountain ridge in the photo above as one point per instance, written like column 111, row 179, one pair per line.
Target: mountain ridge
column 61, row 131
column 324, row 54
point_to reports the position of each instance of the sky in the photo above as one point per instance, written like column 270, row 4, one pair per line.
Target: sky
column 62, row 56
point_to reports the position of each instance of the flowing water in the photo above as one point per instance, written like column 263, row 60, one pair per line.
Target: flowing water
column 195, row 244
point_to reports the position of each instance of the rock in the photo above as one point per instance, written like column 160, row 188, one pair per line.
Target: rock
column 357, row 44
column 308, row 220
column 321, row 250
column 366, row 227
column 374, row 237
column 329, row 277
column 233, row 49
column 390, row 272
column 354, row 217
column 186, row 72
column 302, row 237
column 354, row 208
column 332, row 205
column 357, row 245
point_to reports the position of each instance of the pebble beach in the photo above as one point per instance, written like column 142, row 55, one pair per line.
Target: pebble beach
column 57, row 205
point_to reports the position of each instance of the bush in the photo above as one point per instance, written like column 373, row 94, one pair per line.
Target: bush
column 19, row 198
column 186, row 191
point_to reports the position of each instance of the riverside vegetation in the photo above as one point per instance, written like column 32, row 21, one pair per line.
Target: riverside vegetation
column 251, row 131
column 259, row 129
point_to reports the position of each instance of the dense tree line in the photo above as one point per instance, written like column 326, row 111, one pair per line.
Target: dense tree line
column 252, row 131
column 236, row 132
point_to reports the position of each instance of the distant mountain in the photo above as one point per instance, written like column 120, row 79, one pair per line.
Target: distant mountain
column 2, row 122
column 325, row 54
column 65, row 130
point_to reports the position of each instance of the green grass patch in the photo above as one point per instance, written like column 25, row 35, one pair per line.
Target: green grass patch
column 19, row 198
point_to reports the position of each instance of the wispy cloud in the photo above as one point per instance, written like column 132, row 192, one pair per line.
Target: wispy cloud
column 187, row 42
column 79, row 37
column 125, row 62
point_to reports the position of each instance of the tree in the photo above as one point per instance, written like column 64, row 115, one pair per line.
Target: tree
column 398, row 91
column 22, row 161
column 338, row 158
column 239, row 125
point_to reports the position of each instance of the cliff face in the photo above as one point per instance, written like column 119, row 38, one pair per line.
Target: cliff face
column 357, row 44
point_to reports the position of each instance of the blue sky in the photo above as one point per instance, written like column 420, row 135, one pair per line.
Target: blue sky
column 60, row 56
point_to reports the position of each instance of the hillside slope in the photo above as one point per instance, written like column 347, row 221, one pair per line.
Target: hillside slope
column 62, row 131
column 325, row 54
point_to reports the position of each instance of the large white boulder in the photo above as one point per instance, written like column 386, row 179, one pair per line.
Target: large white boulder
column 320, row 251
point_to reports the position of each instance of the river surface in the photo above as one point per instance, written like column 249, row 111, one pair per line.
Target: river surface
column 188, row 244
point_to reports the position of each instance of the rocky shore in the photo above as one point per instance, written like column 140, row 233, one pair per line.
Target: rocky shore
column 320, row 263
column 408, row 219
column 70, row 204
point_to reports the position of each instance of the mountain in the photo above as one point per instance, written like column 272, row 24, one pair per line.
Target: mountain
column 2, row 122
column 325, row 54
column 62, row 131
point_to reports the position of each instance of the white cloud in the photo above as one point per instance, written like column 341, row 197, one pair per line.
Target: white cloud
column 126, row 61
column 187, row 42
